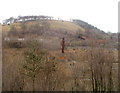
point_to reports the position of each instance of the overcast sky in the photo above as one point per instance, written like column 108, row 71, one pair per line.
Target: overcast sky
column 100, row 13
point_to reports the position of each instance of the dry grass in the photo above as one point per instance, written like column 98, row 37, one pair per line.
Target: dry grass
column 64, row 25
column 74, row 66
column 54, row 25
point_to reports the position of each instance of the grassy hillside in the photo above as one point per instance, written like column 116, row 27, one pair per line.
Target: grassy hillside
column 54, row 25
column 65, row 25
column 72, row 31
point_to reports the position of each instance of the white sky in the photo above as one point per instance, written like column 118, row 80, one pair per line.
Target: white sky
column 100, row 13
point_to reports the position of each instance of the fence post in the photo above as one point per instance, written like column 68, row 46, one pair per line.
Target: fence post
column 63, row 44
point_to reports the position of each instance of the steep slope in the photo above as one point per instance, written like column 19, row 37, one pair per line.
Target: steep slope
column 84, row 24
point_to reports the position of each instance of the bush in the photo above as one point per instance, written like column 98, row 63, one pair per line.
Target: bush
column 13, row 44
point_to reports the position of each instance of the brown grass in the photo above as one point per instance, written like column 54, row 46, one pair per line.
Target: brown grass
column 70, row 73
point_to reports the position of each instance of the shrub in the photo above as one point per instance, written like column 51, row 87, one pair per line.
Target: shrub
column 13, row 44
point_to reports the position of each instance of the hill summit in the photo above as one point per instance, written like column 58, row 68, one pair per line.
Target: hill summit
column 50, row 30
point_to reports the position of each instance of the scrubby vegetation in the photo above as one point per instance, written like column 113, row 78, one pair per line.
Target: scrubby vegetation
column 92, row 69
column 33, row 57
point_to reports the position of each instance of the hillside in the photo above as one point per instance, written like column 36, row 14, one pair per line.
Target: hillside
column 75, row 28
column 76, row 33
column 53, row 25
column 43, row 54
